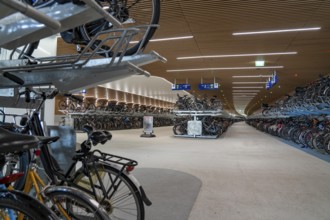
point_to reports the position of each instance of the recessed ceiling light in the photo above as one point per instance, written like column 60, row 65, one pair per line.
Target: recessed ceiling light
column 166, row 39
column 249, row 82
column 248, row 87
column 237, row 55
column 241, row 93
column 226, row 68
column 246, row 91
column 278, row 31
column 253, row 76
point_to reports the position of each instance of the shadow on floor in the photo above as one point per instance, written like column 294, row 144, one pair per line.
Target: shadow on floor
column 173, row 193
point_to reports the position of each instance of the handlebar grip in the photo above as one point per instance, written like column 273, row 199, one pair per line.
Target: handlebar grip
column 13, row 78
column 27, row 96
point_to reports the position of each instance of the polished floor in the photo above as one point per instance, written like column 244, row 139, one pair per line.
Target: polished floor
column 245, row 174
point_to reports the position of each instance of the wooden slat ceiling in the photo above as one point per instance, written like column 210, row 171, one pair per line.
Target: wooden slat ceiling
column 212, row 22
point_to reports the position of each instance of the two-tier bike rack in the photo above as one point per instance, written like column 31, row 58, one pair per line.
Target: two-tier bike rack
column 68, row 73
column 195, row 126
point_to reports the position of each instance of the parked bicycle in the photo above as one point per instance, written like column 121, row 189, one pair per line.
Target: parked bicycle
column 66, row 202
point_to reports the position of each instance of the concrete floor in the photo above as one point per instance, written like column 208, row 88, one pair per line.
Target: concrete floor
column 246, row 174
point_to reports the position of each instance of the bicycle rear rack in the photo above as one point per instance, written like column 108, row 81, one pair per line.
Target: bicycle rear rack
column 114, row 159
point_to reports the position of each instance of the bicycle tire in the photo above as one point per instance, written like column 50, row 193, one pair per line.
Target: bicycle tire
column 138, row 9
column 129, row 200
column 19, row 202
column 77, row 204
column 327, row 145
column 62, row 105
column 17, row 163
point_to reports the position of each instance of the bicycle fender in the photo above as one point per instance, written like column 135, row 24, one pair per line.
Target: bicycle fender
column 144, row 197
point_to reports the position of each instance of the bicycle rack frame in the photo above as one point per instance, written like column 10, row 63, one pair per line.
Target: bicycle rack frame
column 195, row 114
column 75, row 72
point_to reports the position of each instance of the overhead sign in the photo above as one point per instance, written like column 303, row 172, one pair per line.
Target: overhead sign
column 208, row 86
column 274, row 78
column 181, row 87
column 268, row 84
column 272, row 81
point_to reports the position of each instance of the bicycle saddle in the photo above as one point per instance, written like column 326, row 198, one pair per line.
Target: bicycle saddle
column 15, row 142
column 98, row 137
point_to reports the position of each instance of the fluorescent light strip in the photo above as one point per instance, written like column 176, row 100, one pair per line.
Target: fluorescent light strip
column 253, row 76
column 226, row 68
column 249, row 94
column 165, row 39
column 237, row 55
column 249, row 82
column 278, row 31
column 246, row 91
column 248, row 87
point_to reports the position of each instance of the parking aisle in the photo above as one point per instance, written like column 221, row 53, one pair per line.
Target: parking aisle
column 245, row 174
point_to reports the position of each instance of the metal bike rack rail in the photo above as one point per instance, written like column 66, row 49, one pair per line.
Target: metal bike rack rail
column 72, row 73
column 195, row 114
column 18, row 29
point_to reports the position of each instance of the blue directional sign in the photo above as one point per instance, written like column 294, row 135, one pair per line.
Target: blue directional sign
column 181, row 87
column 268, row 84
column 274, row 78
column 272, row 81
column 208, row 86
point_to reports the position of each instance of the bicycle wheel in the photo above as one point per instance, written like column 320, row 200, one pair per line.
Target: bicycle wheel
column 130, row 13
column 20, row 204
column 62, row 105
column 17, row 164
column 123, row 200
column 75, row 204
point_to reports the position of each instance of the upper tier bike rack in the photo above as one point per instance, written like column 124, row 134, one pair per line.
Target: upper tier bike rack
column 72, row 73
column 21, row 24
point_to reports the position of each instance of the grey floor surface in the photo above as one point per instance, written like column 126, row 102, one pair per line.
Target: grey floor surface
column 173, row 193
column 245, row 174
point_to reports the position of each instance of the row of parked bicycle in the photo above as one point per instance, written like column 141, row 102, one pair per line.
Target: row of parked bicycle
column 77, row 104
column 311, row 99
column 117, row 122
column 306, row 131
column 193, row 103
column 211, row 126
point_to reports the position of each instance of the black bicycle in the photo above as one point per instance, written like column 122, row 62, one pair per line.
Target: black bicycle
column 106, row 177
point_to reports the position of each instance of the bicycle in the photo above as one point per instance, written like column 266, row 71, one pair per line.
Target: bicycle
column 66, row 199
column 108, row 177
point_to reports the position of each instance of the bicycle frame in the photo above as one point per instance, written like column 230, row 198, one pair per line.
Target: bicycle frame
column 55, row 176
column 33, row 180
